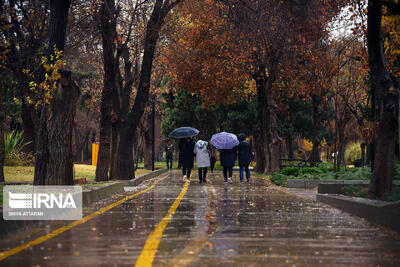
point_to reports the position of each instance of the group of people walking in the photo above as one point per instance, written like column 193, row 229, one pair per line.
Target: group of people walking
column 205, row 155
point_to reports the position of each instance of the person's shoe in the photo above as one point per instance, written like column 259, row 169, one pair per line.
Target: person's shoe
column 204, row 181
column 184, row 178
column 241, row 181
column 225, row 182
column 230, row 180
column 248, row 181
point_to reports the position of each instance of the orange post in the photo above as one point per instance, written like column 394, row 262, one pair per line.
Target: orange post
column 95, row 152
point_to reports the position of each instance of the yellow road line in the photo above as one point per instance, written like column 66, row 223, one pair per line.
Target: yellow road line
column 60, row 230
column 196, row 245
column 146, row 257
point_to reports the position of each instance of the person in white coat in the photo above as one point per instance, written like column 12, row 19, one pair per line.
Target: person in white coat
column 202, row 158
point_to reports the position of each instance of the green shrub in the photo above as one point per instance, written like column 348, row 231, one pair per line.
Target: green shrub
column 13, row 145
column 396, row 172
column 13, row 142
column 293, row 171
column 353, row 152
column 393, row 196
column 355, row 191
column 280, row 179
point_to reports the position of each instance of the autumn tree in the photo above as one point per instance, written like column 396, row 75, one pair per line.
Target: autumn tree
column 382, row 177
column 118, row 84
column 234, row 46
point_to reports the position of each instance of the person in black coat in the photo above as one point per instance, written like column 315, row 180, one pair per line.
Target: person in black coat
column 187, row 157
column 180, row 149
column 169, row 151
column 228, row 158
column 245, row 155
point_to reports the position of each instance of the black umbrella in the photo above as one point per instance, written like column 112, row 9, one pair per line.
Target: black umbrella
column 184, row 132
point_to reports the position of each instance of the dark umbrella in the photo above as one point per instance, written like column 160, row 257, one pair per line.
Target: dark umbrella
column 184, row 132
column 224, row 140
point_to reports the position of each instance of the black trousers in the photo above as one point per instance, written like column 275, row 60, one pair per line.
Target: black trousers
column 212, row 164
column 169, row 162
column 226, row 171
column 202, row 174
column 186, row 172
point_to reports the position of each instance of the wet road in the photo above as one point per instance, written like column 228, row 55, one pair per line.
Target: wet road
column 213, row 225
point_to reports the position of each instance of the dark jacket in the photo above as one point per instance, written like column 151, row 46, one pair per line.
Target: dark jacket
column 228, row 157
column 169, row 150
column 187, row 154
column 244, row 153
column 180, row 148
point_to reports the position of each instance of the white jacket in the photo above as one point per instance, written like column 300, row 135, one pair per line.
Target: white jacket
column 202, row 156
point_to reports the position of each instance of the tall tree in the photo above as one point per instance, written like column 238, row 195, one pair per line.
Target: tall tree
column 382, row 176
column 54, row 157
column 109, row 35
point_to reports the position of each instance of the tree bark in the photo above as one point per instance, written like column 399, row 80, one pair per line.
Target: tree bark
column 125, row 165
column 276, row 141
column 260, row 137
column 315, row 156
column 54, row 157
column 341, row 145
column 363, row 159
column 114, row 151
column 147, row 150
column 108, row 33
column 382, row 176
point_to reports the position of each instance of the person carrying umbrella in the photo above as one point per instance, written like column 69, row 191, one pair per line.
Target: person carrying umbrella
column 202, row 158
column 184, row 133
column 187, row 157
column 226, row 144
column 227, row 158
column 245, row 155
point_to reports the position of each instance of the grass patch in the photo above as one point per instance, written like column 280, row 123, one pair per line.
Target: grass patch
column 24, row 174
column 393, row 196
column 325, row 172
column 362, row 191
column 355, row 191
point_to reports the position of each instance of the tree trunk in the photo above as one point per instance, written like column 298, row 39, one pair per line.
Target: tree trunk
column 125, row 165
column 2, row 132
column 114, row 151
column 363, row 158
column 382, row 176
column 108, row 33
column 54, row 155
column 289, row 142
column 260, row 138
column 147, row 150
column 315, row 156
column 276, row 141
column 341, row 146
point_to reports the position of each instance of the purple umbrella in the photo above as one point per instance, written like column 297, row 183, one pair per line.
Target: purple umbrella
column 224, row 140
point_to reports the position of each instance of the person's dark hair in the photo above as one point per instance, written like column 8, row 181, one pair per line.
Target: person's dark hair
column 201, row 137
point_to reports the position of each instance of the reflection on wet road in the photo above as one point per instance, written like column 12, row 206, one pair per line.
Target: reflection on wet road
column 215, row 225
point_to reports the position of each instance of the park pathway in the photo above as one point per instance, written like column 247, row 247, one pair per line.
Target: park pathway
column 211, row 225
